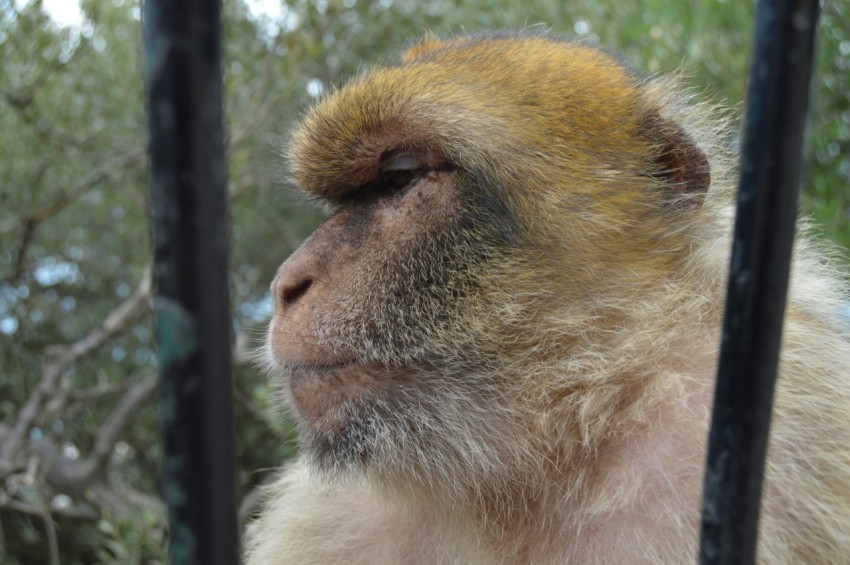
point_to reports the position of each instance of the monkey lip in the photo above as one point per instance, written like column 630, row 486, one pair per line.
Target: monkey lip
column 320, row 392
column 305, row 370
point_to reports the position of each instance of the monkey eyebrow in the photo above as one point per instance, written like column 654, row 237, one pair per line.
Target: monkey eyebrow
column 405, row 164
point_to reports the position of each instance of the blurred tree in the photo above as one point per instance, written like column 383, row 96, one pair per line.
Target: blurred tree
column 79, row 451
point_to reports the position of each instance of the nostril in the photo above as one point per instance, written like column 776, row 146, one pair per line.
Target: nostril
column 291, row 294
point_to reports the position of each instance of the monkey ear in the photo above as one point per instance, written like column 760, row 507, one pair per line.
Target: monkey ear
column 679, row 162
column 421, row 49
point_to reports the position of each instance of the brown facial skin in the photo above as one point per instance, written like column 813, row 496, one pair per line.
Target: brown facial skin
column 348, row 251
column 318, row 282
column 364, row 307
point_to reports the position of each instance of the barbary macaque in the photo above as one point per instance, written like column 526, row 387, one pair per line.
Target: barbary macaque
column 501, row 346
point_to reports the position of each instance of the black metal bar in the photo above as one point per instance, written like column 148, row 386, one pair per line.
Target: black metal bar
column 188, row 185
column 758, row 280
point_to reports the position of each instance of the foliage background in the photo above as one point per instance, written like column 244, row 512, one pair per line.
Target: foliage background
column 79, row 445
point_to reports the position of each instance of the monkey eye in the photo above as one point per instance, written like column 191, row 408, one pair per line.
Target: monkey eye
column 399, row 171
column 397, row 180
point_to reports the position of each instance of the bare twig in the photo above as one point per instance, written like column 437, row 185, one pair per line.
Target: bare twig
column 44, row 512
column 46, row 211
column 105, row 171
column 72, row 512
column 31, row 220
column 24, row 95
column 87, row 476
column 115, row 322
column 108, row 434
column 101, row 389
column 59, row 358
column 50, row 530
column 121, row 499
column 263, row 106
column 2, row 543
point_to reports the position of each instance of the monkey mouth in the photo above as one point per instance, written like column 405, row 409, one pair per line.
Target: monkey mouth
column 304, row 370
column 321, row 392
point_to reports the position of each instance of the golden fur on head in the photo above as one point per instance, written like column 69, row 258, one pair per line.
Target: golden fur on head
column 557, row 307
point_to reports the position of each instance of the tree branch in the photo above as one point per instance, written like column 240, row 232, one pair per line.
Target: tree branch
column 50, row 531
column 74, row 512
column 42, row 511
column 32, row 219
column 46, row 211
column 109, row 431
column 59, row 357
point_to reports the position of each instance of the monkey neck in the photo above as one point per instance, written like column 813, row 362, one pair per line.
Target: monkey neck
column 608, row 415
column 574, row 431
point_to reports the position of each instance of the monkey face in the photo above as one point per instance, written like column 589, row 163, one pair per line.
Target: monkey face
column 493, row 198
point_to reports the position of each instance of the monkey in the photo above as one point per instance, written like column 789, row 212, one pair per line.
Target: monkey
column 501, row 345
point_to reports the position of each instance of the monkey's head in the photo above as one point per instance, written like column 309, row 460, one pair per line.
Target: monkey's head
column 499, row 204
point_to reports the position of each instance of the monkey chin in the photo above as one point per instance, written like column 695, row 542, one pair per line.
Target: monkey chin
column 338, row 405
column 320, row 392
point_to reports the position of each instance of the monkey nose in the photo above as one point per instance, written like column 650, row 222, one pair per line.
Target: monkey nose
column 293, row 290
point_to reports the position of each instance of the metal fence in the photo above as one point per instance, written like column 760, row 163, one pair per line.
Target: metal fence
column 183, row 67
column 777, row 99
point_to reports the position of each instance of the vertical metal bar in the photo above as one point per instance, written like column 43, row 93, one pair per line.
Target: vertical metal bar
column 188, row 186
column 758, row 280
